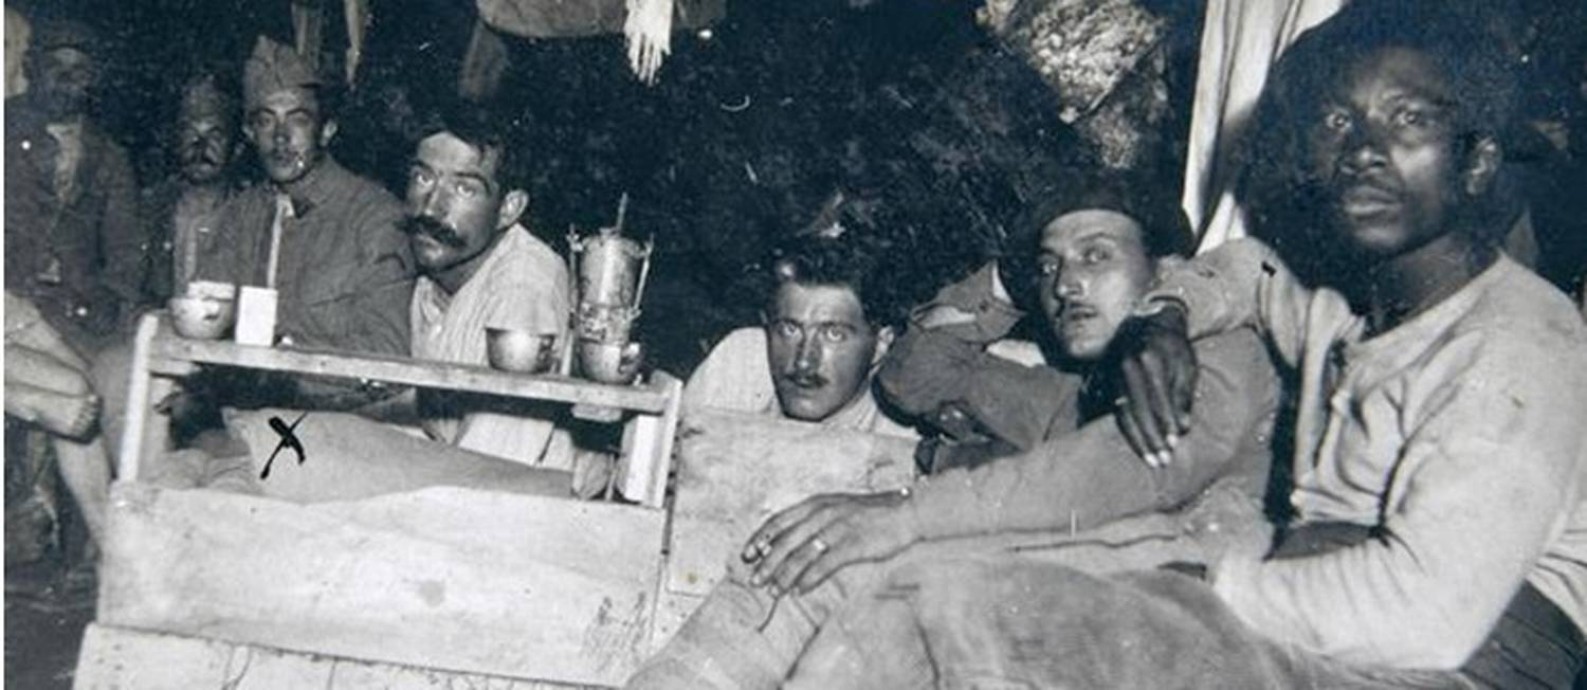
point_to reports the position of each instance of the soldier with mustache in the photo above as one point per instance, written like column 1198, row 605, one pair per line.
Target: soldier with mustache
column 480, row 267
column 72, row 259
column 345, row 274
column 1084, row 259
column 183, row 206
column 1438, row 532
column 345, row 271
column 71, row 233
column 832, row 311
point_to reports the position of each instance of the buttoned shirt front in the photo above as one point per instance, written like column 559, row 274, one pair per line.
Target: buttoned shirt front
column 345, row 271
column 522, row 285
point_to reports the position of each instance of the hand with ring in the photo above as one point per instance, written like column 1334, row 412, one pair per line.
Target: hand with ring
column 800, row 547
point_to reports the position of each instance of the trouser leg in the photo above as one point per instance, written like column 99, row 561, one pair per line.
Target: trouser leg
column 997, row 622
column 85, row 467
column 742, row 638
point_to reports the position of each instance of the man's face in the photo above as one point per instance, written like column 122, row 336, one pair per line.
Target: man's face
column 289, row 133
column 455, row 204
column 204, row 144
column 820, row 347
column 1094, row 269
column 65, row 77
column 1383, row 147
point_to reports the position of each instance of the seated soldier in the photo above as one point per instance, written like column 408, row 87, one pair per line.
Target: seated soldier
column 480, row 268
column 831, row 317
column 182, row 207
column 1096, row 265
column 1439, row 465
column 342, row 267
column 955, row 368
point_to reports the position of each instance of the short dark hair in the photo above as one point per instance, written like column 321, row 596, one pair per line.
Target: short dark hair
column 1165, row 230
column 850, row 253
column 1274, row 185
column 484, row 128
column 892, row 254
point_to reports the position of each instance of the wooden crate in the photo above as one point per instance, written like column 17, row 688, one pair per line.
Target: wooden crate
column 121, row 659
column 735, row 470
column 450, row 579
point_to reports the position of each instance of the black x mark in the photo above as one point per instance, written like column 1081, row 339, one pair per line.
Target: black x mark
column 288, row 440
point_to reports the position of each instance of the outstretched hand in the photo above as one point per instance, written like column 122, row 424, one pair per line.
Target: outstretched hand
column 800, row 547
column 1157, row 369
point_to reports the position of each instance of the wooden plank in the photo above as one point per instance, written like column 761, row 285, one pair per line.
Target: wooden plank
column 735, row 470
column 252, row 668
column 171, row 352
column 115, row 658
column 445, row 578
column 138, row 399
column 647, row 448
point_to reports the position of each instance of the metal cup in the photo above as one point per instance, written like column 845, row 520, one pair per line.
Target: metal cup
column 518, row 351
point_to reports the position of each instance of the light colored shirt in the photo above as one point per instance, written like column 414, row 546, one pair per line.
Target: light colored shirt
column 737, row 376
column 1458, row 434
column 522, row 285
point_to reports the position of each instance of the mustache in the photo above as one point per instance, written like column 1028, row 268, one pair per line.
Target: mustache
column 434, row 229
column 805, row 379
column 203, row 155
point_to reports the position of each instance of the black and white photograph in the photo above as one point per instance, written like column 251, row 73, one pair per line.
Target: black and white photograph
column 804, row 345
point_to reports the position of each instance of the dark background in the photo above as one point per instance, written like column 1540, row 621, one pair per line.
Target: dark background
column 829, row 87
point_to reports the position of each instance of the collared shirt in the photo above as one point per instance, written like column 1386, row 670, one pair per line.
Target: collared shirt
column 1457, row 435
column 736, row 376
column 521, row 285
column 346, row 272
column 75, row 255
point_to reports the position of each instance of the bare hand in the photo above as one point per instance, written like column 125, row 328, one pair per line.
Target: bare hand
column 800, row 547
column 1157, row 368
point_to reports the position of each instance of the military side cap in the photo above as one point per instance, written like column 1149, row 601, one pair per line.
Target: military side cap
column 275, row 67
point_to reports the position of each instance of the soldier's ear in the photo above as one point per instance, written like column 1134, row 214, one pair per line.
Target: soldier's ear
column 327, row 133
column 513, row 206
column 884, row 341
column 1482, row 166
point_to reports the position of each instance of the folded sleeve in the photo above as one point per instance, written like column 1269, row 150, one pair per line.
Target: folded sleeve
column 1486, row 480
column 947, row 364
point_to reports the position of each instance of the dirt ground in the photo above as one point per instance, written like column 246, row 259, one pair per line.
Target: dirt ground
column 44, row 623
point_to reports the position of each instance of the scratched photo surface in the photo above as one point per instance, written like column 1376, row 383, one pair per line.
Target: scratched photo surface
column 565, row 302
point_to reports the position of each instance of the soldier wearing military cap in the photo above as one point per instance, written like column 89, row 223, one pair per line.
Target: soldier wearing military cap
column 345, row 274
